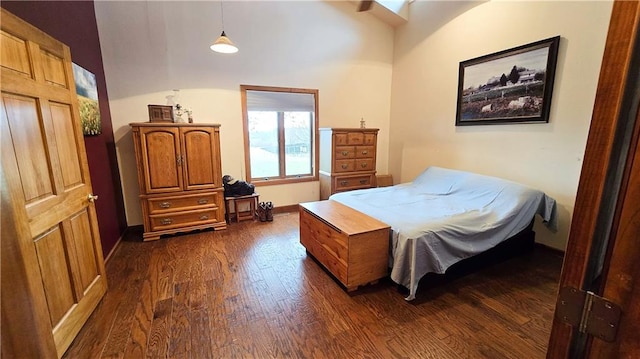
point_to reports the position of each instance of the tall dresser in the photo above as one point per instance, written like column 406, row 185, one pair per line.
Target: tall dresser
column 347, row 159
column 180, row 177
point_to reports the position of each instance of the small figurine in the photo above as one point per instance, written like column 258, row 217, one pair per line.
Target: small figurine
column 362, row 124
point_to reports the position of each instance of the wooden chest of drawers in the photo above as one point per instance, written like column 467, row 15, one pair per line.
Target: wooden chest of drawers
column 180, row 177
column 347, row 159
column 351, row 245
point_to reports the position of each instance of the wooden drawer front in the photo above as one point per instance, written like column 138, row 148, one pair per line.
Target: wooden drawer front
column 165, row 221
column 325, row 243
column 345, row 166
column 353, row 182
column 365, row 151
column 369, row 139
column 364, row 164
column 343, row 152
column 183, row 203
column 355, row 138
column 340, row 139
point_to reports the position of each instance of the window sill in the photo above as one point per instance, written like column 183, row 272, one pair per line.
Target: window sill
column 278, row 181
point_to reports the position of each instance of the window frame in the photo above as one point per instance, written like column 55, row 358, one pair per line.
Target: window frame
column 282, row 178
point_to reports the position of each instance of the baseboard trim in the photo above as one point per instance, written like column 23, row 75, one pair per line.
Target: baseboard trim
column 286, row 209
column 115, row 247
column 126, row 235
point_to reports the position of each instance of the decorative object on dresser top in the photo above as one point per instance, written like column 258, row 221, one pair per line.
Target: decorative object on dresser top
column 180, row 177
column 445, row 216
column 347, row 159
column 160, row 113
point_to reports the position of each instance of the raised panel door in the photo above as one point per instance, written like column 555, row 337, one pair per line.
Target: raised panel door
column 58, row 267
column 161, row 158
column 201, row 155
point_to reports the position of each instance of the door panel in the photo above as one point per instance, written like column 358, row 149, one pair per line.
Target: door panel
column 199, row 150
column 87, row 267
column 53, row 69
column 163, row 172
column 14, row 55
column 55, row 274
column 26, row 135
column 44, row 161
column 67, row 146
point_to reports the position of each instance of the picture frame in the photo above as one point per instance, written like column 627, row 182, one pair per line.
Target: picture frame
column 508, row 87
column 88, row 104
column 160, row 113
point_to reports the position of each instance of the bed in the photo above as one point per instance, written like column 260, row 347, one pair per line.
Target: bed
column 445, row 216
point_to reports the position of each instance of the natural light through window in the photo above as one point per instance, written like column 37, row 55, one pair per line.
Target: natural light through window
column 281, row 131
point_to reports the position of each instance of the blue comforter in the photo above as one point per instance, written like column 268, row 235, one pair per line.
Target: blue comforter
column 445, row 216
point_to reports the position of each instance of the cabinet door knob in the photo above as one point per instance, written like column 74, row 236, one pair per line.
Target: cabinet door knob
column 165, row 204
column 92, row 198
column 362, row 181
column 344, row 183
column 166, row 221
column 365, row 152
column 363, row 165
column 345, row 153
column 203, row 201
column 203, row 217
column 344, row 166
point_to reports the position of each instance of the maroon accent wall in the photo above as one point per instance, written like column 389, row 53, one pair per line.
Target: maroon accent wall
column 74, row 23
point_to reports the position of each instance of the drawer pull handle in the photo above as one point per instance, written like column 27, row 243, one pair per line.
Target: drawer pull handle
column 203, row 217
column 344, row 166
column 203, row 201
column 165, row 204
column 345, row 153
column 365, row 152
column 166, row 221
column 363, row 181
column 363, row 165
column 344, row 183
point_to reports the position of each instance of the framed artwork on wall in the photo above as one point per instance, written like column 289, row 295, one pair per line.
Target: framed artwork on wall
column 510, row 86
column 87, row 91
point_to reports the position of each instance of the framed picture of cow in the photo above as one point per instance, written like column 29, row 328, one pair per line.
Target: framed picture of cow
column 510, row 86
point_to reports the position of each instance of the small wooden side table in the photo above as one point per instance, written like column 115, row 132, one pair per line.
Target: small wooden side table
column 235, row 213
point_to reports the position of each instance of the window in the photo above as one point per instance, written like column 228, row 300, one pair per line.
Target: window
column 280, row 134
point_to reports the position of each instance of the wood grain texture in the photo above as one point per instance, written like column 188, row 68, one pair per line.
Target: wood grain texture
column 49, row 187
column 252, row 291
column 599, row 158
column 179, row 176
column 623, row 275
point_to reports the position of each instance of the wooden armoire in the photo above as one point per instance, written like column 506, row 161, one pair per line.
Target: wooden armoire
column 180, row 177
column 53, row 272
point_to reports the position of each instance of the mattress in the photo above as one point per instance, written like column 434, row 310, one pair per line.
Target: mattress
column 445, row 216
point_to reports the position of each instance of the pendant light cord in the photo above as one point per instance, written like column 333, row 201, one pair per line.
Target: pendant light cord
column 222, row 14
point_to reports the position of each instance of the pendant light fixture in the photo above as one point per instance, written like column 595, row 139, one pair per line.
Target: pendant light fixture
column 223, row 44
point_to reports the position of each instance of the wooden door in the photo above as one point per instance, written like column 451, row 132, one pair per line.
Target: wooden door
column 603, row 249
column 52, row 266
column 201, row 153
column 161, row 158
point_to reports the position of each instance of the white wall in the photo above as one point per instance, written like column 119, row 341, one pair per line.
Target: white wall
column 424, row 94
column 152, row 47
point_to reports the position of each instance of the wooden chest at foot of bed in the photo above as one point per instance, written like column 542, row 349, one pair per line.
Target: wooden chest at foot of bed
column 351, row 245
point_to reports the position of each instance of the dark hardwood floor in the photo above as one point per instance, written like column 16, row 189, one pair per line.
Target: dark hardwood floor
column 251, row 291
